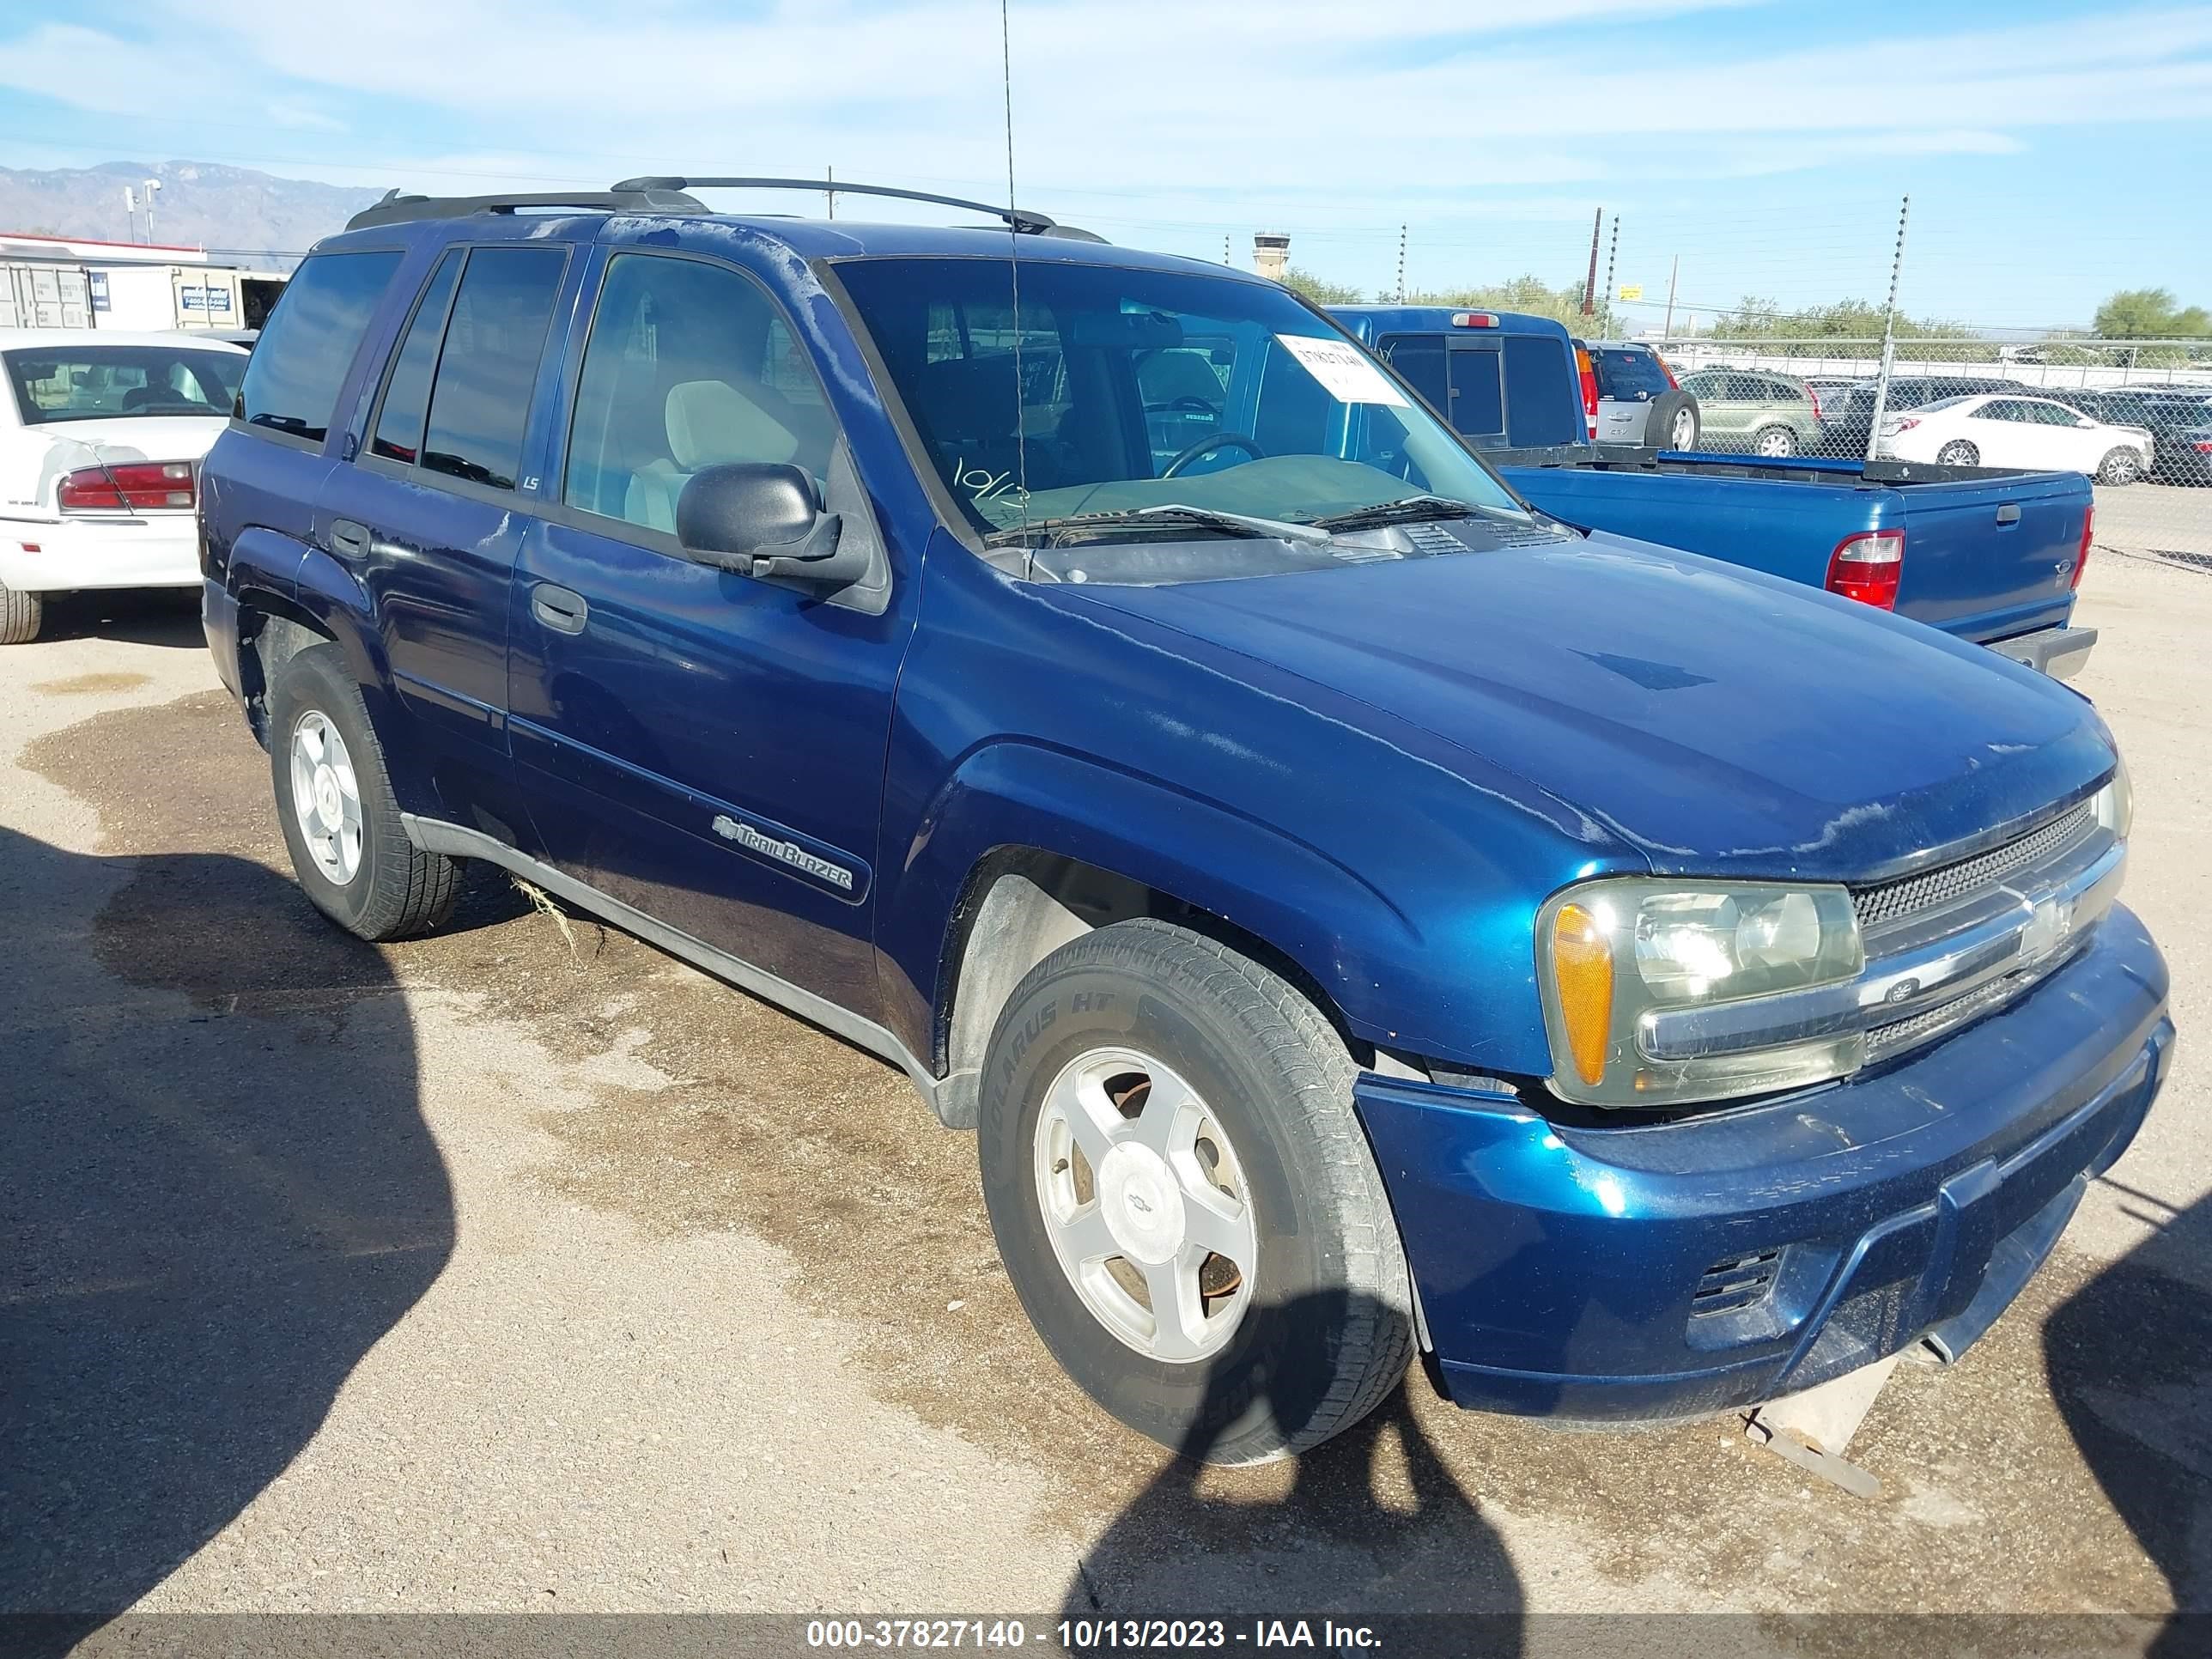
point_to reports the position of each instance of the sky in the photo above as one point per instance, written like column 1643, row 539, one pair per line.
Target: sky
column 2053, row 152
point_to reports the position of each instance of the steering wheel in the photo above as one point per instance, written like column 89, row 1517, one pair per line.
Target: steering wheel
column 1188, row 403
column 1207, row 446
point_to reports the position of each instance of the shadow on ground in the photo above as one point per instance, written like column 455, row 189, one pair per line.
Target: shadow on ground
column 2130, row 1356
column 1370, row 1522
column 215, row 1204
column 159, row 616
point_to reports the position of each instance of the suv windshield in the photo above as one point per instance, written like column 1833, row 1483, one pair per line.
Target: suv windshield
column 1122, row 390
column 99, row 383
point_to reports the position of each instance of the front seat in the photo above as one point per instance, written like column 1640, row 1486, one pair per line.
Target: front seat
column 709, row 423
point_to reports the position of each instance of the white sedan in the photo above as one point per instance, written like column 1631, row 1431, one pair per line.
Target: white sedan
column 2002, row 430
column 100, row 439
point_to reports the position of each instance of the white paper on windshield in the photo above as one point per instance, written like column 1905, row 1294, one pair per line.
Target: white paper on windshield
column 1339, row 365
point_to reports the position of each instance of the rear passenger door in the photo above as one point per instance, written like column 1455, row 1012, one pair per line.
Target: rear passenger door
column 427, row 515
column 702, row 746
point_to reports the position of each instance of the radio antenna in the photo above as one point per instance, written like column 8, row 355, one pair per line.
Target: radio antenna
column 1014, row 271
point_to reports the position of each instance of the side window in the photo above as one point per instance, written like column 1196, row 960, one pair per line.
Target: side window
column 480, row 402
column 407, row 393
column 2052, row 415
column 688, row 366
column 1543, row 397
column 1421, row 360
column 299, row 362
column 2000, row 409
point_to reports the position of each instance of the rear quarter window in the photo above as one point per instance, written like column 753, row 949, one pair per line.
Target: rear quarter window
column 299, row 362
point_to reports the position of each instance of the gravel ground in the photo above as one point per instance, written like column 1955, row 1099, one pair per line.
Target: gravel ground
column 520, row 1271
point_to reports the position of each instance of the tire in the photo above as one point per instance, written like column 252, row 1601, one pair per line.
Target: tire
column 1672, row 422
column 1957, row 452
column 374, row 883
column 20, row 616
column 1775, row 443
column 2120, row 466
column 1287, row 1348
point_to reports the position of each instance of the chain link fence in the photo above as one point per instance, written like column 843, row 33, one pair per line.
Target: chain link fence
column 2136, row 415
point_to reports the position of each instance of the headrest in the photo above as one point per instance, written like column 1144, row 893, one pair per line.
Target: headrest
column 711, row 423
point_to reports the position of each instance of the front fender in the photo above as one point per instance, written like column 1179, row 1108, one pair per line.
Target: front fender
column 1343, row 933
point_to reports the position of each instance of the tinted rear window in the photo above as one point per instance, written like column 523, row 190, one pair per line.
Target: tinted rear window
column 1629, row 376
column 1543, row 393
column 489, row 367
column 1421, row 360
column 298, row 363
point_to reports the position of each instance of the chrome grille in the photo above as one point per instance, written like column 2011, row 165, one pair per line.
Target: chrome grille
column 1896, row 901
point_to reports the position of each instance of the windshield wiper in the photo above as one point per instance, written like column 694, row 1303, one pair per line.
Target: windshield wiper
column 1169, row 515
column 1406, row 509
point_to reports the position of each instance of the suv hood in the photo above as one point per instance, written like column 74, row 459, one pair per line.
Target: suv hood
column 1716, row 719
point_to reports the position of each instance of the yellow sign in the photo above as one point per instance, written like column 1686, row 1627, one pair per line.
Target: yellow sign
column 1629, row 291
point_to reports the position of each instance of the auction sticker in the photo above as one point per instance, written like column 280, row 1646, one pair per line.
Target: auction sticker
column 1349, row 374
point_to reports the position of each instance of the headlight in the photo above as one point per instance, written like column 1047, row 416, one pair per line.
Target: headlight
column 2116, row 801
column 1612, row 953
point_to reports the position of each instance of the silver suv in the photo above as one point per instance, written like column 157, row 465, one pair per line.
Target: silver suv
column 1638, row 401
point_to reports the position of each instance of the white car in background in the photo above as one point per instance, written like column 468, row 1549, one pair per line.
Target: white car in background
column 2036, row 434
column 100, row 439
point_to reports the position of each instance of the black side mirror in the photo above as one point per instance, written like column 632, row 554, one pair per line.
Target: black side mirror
column 761, row 519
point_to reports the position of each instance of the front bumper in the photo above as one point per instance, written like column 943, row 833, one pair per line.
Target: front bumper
column 2058, row 652
column 1670, row 1270
column 152, row 549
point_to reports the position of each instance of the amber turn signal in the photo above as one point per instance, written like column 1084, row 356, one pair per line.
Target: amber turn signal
column 1581, row 968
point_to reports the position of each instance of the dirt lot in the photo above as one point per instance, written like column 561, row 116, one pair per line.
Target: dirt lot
column 525, row 1269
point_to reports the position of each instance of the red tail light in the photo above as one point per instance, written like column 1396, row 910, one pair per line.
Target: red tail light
column 1815, row 397
column 132, row 487
column 1866, row 566
column 2202, row 446
column 1673, row 384
column 1587, row 372
column 2081, row 558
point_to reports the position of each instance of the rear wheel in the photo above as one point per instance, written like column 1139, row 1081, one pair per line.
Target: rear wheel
column 1184, row 1199
column 20, row 616
column 1957, row 452
column 340, row 820
column 1776, row 442
column 2121, row 466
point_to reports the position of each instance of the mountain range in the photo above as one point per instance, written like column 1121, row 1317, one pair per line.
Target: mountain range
column 256, row 219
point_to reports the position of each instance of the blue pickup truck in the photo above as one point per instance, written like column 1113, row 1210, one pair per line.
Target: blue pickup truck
column 1357, row 915
column 1986, row 554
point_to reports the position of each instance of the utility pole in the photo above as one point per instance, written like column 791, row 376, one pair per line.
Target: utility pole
column 129, row 214
column 1888, row 333
column 1668, row 332
column 1224, row 248
column 830, row 173
column 1401, row 265
column 152, row 185
column 1590, row 282
column 1612, row 259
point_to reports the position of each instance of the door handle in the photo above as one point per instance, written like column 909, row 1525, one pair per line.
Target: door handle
column 348, row 537
column 2009, row 514
column 559, row 609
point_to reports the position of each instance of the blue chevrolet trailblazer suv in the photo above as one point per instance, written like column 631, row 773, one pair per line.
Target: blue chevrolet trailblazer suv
column 1359, row 914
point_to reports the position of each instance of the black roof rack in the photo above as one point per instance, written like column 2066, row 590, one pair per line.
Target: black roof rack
column 395, row 209
column 1019, row 219
column 672, row 196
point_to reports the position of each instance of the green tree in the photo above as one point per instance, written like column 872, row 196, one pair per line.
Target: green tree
column 1529, row 293
column 2150, row 314
column 1320, row 289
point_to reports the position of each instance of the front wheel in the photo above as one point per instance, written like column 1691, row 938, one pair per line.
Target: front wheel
column 1184, row 1199
column 1775, row 442
column 2121, row 466
column 20, row 614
